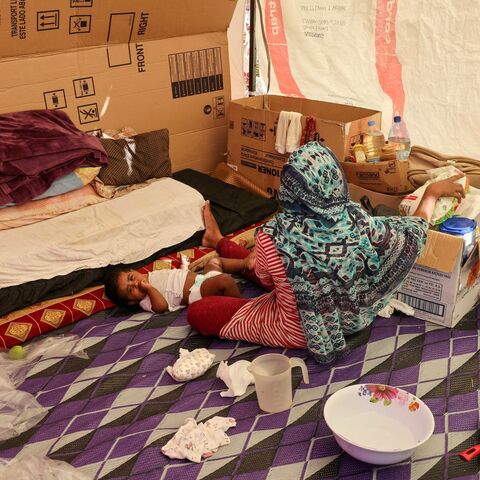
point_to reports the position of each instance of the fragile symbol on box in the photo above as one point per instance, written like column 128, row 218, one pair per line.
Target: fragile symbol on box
column 88, row 113
column 84, row 87
column 80, row 24
column 55, row 99
column 48, row 20
column 81, row 3
column 253, row 129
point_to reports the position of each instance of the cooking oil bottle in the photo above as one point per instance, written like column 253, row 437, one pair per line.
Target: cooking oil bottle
column 374, row 141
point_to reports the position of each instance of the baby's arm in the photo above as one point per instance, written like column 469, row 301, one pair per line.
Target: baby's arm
column 159, row 304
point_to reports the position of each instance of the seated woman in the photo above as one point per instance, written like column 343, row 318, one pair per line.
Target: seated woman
column 329, row 266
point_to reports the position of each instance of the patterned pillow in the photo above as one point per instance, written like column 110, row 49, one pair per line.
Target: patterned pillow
column 136, row 159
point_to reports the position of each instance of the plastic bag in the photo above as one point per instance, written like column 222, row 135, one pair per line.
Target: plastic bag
column 19, row 411
column 445, row 206
column 30, row 467
column 50, row 347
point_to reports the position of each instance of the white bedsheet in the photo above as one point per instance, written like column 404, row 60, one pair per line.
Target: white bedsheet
column 122, row 230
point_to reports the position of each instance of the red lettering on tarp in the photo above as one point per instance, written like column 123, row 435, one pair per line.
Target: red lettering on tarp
column 389, row 68
column 278, row 49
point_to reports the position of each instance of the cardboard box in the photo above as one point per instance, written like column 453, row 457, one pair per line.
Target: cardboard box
column 383, row 177
column 252, row 131
column 115, row 63
column 438, row 287
column 376, row 198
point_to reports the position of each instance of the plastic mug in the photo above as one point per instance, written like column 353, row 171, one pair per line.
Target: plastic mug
column 273, row 380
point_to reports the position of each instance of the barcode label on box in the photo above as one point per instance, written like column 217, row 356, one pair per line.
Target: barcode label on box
column 423, row 305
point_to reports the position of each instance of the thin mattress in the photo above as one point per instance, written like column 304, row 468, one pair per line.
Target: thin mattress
column 122, row 230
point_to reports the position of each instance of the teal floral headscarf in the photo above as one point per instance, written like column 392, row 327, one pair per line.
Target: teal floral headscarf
column 343, row 265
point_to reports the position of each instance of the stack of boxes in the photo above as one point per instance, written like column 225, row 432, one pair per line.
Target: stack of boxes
column 439, row 287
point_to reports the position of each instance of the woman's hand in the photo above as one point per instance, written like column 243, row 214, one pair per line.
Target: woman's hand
column 447, row 188
column 443, row 188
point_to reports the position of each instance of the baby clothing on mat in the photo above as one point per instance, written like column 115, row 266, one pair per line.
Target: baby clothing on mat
column 289, row 132
column 191, row 365
column 195, row 290
column 196, row 441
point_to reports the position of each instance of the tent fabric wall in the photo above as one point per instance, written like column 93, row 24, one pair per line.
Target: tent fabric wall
column 416, row 59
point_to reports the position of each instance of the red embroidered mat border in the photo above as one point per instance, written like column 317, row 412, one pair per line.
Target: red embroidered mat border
column 42, row 317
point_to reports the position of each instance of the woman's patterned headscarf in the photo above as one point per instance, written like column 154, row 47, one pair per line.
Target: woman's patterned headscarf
column 343, row 265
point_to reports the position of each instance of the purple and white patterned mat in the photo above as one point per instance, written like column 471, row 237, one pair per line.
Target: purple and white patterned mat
column 110, row 414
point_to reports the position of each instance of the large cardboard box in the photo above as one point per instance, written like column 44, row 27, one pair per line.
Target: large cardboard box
column 146, row 64
column 383, row 177
column 438, row 287
column 252, row 131
column 376, row 198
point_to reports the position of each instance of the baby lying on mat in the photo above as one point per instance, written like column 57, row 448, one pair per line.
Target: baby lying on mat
column 168, row 290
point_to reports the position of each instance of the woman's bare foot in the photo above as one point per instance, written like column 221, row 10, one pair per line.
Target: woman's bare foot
column 212, row 233
column 250, row 260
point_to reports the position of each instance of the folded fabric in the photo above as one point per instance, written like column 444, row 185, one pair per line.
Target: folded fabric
column 191, row 365
column 113, row 191
column 38, row 210
column 289, row 132
column 236, row 377
column 72, row 181
column 196, row 441
column 38, row 147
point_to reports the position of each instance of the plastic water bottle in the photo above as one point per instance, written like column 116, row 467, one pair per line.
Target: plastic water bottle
column 399, row 138
column 374, row 141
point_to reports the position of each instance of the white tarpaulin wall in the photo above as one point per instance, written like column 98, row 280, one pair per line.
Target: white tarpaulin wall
column 419, row 59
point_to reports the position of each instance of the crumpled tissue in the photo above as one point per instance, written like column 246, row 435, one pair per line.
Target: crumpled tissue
column 236, row 377
column 394, row 304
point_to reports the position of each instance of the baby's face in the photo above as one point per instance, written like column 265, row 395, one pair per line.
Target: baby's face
column 129, row 286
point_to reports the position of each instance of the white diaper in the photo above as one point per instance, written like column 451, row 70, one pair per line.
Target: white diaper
column 195, row 290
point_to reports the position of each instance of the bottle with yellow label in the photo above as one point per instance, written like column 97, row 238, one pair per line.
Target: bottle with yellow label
column 358, row 151
column 373, row 141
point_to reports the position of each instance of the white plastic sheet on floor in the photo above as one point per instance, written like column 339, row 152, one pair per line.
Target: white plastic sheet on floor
column 416, row 59
column 19, row 411
column 31, row 467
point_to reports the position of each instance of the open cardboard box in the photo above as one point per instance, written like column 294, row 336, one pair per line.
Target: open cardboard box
column 252, row 133
column 438, row 287
column 146, row 64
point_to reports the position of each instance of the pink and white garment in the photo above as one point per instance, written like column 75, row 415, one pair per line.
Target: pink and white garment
column 191, row 365
column 196, row 441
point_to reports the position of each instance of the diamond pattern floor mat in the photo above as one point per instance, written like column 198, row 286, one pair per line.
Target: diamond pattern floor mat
column 111, row 413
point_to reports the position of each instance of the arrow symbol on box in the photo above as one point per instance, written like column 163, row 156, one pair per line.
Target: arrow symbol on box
column 43, row 17
column 44, row 24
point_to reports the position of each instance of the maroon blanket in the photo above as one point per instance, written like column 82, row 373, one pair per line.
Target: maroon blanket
column 38, row 147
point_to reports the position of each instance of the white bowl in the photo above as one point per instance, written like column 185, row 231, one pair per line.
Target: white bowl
column 378, row 424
